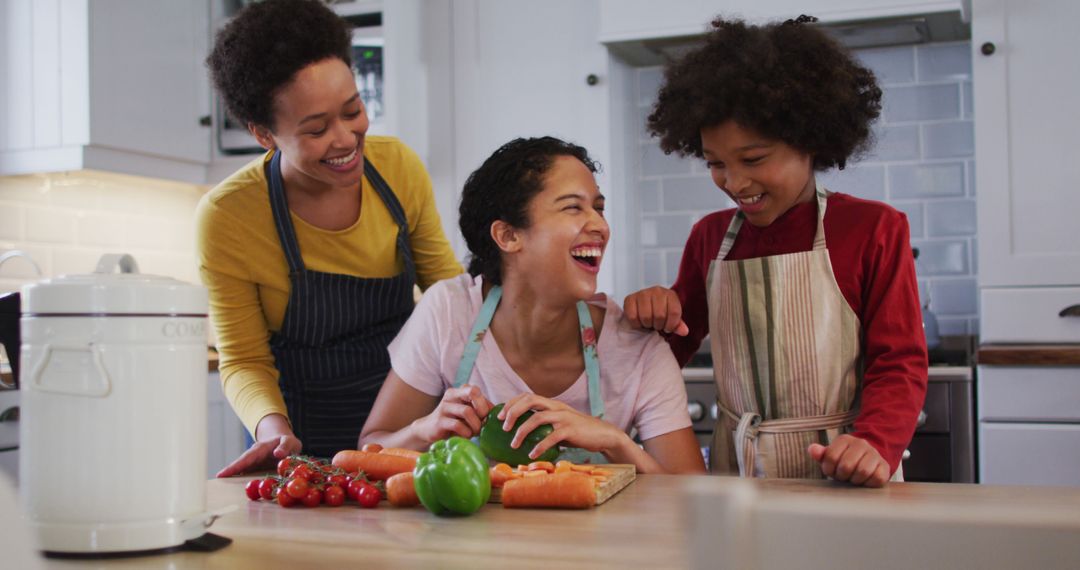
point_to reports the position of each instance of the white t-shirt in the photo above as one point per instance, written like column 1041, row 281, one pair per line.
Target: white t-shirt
column 640, row 380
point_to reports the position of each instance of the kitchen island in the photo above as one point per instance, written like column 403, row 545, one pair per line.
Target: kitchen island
column 650, row 524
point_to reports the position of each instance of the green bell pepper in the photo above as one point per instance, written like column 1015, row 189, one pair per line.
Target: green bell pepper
column 495, row 442
column 452, row 477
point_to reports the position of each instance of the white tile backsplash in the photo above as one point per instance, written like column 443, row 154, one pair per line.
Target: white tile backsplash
column 921, row 102
column 943, row 62
column 66, row 221
column 692, row 192
column 926, row 180
column 891, row 65
column 655, row 163
column 948, row 140
column 922, row 164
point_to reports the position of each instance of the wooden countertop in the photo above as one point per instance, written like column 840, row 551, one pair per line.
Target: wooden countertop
column 648, row 524
column 1029, row 354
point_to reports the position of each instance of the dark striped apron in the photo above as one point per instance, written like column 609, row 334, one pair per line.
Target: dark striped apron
column 331, row 349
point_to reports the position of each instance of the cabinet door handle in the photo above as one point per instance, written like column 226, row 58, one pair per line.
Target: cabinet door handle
column 1070, row 311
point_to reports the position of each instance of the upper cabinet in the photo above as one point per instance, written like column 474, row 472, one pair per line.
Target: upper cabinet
column 1026, row 168
column 105, row 84
column 1026, row 142
column 624, row 20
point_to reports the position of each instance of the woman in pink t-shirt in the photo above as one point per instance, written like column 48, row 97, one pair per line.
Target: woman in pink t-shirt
column 527, row 328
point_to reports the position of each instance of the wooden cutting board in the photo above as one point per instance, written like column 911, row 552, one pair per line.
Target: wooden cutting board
column 621, row 477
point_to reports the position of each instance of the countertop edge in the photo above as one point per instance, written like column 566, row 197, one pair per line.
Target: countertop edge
column 1028, row 355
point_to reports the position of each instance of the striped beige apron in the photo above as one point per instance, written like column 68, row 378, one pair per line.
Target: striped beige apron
column 786, row 358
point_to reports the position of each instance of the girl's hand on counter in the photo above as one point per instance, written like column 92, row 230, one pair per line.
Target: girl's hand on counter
column 276, row 442
column 460, row 412
column 571, row 427
column 852, row 459
column 655, row 308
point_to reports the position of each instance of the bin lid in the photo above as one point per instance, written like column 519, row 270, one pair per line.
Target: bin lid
column 105, row 293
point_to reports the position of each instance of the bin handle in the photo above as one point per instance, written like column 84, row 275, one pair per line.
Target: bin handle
column 109, row 261
column 99, row 391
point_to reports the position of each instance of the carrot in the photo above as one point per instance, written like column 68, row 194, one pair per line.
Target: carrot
column 378, row 466
column 500, row 474
column 401, row 452
column 535, row 473
column 560, row 490
column 542, row 466
column 563, row 467
column 401, row 491
column 581, row 468
column 372, row 447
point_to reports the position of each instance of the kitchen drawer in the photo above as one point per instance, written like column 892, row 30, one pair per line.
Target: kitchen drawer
column 1029, row 454
column 1029, row 393
column 1028, row 315
column 936, row 408
column 930, row 459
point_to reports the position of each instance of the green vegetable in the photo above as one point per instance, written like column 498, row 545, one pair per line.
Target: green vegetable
column 496, row 443
column 452, row 477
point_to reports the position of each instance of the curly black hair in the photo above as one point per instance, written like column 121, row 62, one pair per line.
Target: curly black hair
column 265, row 44
column 787, row 81
column 501, row 190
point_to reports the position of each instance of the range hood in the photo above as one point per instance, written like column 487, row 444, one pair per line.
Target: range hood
column 906, row 30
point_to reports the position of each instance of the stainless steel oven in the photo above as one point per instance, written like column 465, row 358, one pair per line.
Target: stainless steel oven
column 942, row 449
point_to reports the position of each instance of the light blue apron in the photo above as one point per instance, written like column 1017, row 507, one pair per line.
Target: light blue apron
column 588, row 349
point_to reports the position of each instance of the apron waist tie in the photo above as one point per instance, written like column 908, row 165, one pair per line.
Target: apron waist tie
column 750, row 424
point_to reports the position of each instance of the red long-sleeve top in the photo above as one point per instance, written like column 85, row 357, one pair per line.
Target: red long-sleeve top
column 872, row 261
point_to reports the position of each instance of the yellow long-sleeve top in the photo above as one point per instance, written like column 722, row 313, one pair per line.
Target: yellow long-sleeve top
column 244, row 267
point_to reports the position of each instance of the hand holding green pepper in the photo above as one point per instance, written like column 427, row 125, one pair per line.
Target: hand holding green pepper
column 495, row 442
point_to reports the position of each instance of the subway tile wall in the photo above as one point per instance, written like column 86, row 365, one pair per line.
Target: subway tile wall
column 922, row 164
column 66, row 221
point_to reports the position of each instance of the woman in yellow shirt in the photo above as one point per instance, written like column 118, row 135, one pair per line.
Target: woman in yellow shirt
column 311, row 251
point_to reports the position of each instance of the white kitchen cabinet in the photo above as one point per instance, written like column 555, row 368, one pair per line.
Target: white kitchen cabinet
column 513, row 69
column 1030, row 454
column 1026, row 147
column 226, row 435
column 1029, row 425
column 624, row 20
column 105, row 84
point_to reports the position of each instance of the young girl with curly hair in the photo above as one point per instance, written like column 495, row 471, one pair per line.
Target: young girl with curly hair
column 808, row 297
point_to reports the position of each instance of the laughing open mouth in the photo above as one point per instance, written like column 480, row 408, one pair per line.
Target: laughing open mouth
column 589, row 255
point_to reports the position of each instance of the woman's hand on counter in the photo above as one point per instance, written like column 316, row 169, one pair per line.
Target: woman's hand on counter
column 852, row 459
column 275, row 442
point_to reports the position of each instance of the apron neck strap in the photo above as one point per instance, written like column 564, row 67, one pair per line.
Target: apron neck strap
column 737, row 220
column 588, row 346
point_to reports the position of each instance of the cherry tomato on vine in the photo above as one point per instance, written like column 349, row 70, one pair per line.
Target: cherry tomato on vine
column 297, row 487
column 252, row 489
column 368, row 496
column 312, row 498
column 266, row 488
column 339, row 480
column 285, row 500
column 334, row 496
column 354, row 488
column 285, row 466
column 302, row 472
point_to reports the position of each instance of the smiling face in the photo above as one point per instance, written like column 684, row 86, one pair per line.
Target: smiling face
column 563, row 246
column 765, row 177
column 319, row 125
